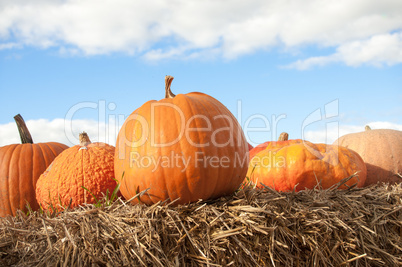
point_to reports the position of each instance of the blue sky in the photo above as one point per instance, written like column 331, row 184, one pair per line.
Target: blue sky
column 276, row 65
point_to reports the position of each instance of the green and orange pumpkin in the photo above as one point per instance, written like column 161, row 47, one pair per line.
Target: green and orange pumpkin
column 298, row 164
column 283, row 140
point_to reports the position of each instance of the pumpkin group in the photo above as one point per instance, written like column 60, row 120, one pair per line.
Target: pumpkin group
column 20, row 167
column 183, row 148
column 297, row 164
column 77, row 176
column 381, row 150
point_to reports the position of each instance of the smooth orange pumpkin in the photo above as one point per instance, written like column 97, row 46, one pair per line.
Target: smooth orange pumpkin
column 87, row 165
column 20, row 167
column 303, row 164
column 183, row 148
column 381, row 150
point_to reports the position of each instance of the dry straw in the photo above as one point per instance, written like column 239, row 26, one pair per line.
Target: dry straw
column 353, row 227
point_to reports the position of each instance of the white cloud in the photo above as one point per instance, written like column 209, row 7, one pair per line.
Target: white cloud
column 333, row 133
column 61, row 130
column 9, row 46
column 379, row 50
column 187, row 29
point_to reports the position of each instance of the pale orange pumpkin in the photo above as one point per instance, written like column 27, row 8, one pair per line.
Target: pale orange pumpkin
column 381, row 150
column 20, row 168
column 182, row 148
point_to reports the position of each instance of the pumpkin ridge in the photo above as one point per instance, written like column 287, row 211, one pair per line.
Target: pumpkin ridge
column 9, row 152
column 348, row 156
column 182, row 102
column 395, row 163
column 221, row 181
column 326, row 152
column 38, row 150
column 123, row 179
column 159, row 139
column 159, row 154
column 93, row 157
column 50, row 148
column 70, row 169
column 200, row 171
column 203, row 104
column 19, row 183
column 42, row 151
column 66, row 167
column 185, row 185
column 59, row 145
column 219, row 152
column 305, row 155
column 315, row 160
column 120, row 142
column 13, row 189
column 216, row 150
column 84, row 155
column 165, row 179
column 55, row 181
column 28, row 170
column 351, row 158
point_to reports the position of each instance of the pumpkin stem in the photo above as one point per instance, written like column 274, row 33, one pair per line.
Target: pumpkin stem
column 168, row 83
column 25, row 135
column 84, row 139
column 367, row 128
column 283, row 137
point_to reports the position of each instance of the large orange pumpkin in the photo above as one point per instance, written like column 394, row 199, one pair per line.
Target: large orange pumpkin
column 183, row 148
column 303, row 164
column 87, row 165
column 381, row 150
column 20, row 167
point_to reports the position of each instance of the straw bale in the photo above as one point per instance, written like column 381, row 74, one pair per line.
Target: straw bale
column 353, row 227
